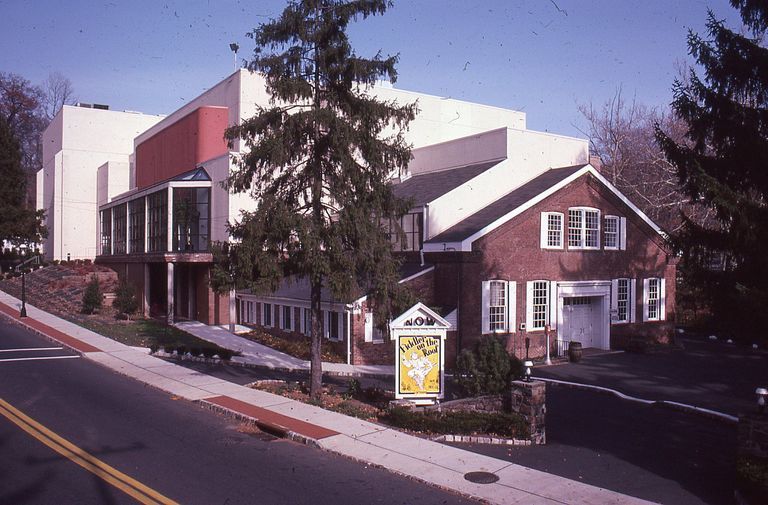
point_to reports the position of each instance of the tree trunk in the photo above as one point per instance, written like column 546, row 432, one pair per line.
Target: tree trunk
column 315, row 359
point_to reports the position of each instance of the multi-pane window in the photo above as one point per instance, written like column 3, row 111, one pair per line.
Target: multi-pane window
column 287, row 319
column 333, row 325
column 540, row 304
column 190, row 219
column 583, row 228
column 267, row 312
column 622, row 300
column 106, row 231
column 552, row 230
column 411, row 226
column 120, row 221
column 654, row 299
column 611, row 232
column 136, row 225
column 157, row 206
column 497, row 308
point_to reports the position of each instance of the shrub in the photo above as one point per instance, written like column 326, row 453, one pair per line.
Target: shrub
column 752, row 477
column 209, row 352
column 353, row 388
column 154, row 347
column 87, row 262
column 457, row 423
column 92, row 297
column 488, row 369
column 125, row 301
column 224, row 354
column 195, row 351
column 181, row 350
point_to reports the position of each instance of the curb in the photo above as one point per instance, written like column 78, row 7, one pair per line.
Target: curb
column 271, row 428
column 20, row 322
column 473, row 439
column 680, row 407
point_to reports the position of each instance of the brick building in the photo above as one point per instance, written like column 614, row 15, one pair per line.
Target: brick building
column 505, row 242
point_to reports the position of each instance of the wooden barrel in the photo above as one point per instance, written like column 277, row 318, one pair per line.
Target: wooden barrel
column 574, row 352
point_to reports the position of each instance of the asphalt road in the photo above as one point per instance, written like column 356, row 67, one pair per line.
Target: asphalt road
column 181, row 451
column 654, row 453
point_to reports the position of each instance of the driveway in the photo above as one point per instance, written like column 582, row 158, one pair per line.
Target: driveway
column 708, row 374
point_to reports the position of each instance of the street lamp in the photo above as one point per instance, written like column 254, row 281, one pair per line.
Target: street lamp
column 761, row 393
column 23, row 311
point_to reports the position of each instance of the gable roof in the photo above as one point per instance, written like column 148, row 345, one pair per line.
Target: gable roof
column 477, row 221
column 424, row 188
column 461, row 235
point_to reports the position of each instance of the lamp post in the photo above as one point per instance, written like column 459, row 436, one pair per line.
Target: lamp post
column 23, row 311
column 527, row 363
column 548, row 360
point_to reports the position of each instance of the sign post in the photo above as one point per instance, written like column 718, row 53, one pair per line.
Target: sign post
column 419, row 337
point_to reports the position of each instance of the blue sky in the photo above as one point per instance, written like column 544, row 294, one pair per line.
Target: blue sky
column 543, row 57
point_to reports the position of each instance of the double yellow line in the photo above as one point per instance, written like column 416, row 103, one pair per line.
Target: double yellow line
column 126, row 484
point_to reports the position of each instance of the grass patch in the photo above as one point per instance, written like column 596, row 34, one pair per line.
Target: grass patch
column 298, row 347
column 143, row 333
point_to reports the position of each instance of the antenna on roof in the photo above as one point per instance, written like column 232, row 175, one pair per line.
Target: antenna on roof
column 234, row 46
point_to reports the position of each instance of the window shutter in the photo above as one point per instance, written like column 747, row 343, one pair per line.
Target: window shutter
column 326, row 320
column 632, row 300
column 512, row 306
column 662, row 299
column 646, row 282
column 486, row 301
column 342, row 316
column 528, row 305
column 623, row 233
column 544, row 230
column 552, row 302
column 614, row 298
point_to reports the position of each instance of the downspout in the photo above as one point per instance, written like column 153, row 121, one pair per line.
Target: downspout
column 348, row 315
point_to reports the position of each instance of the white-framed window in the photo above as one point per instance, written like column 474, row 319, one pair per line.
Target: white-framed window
column 623, row 301
column 307, row 318
column 539, row 305
column 583, row 228
column 654, row 299
column 267, row 312
column 552, row 230
column 615, row 231
column 372, row 332
column 287, row 318
column 333, row 325
column 498, row 306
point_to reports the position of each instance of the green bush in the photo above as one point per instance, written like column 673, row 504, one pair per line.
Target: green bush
column 154, row 347
column 752, row 477
column 209, row 352
column 488, row 369
column 457, row 423
column 125, row 301
column 224, row 354
column 92, row 297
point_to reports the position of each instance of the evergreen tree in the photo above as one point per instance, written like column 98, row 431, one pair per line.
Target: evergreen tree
column 723, row 164
column 92, row 296
column 318, row 160
column 125, row 301
column 18, row 225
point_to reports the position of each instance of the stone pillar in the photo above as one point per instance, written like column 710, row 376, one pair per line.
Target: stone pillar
column 529, row 401
column 170, row 304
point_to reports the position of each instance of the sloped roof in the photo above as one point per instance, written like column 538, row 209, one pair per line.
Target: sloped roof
column 425, row 188
column 298, row 288
column 504, row 205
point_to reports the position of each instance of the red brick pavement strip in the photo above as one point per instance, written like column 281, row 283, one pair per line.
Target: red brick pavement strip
column 272, row 420
column 48, row 331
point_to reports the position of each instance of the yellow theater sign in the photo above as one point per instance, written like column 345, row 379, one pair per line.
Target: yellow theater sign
column 419, row 337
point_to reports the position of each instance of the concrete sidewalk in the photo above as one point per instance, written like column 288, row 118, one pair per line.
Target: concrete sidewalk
column 256, row 354
column 367, row 442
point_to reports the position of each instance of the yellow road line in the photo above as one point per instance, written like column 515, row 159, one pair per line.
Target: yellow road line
column 123, row 482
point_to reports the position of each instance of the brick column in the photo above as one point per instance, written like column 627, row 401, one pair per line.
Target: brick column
column 529, row 401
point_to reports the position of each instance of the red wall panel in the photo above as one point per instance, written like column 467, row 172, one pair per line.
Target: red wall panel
column 179, row 148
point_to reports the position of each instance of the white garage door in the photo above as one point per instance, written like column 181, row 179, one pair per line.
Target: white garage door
column 582, row 320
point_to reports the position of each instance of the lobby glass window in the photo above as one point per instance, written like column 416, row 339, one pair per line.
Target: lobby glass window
column 106, row 231
column 120, row 221
column 191, row 219
column 136, row 225
column 411, row 226
column 157, row 204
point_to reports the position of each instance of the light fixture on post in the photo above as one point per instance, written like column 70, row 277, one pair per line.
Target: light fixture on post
column 527, row 364
column 761, row 393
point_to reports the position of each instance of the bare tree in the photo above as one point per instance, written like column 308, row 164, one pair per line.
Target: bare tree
column 57, row 92
column 622, row 137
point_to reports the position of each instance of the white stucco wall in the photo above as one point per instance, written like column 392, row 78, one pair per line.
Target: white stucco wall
column 76, row 143
column 529, row 154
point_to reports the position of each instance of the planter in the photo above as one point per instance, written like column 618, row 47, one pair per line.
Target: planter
column 574, row 352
